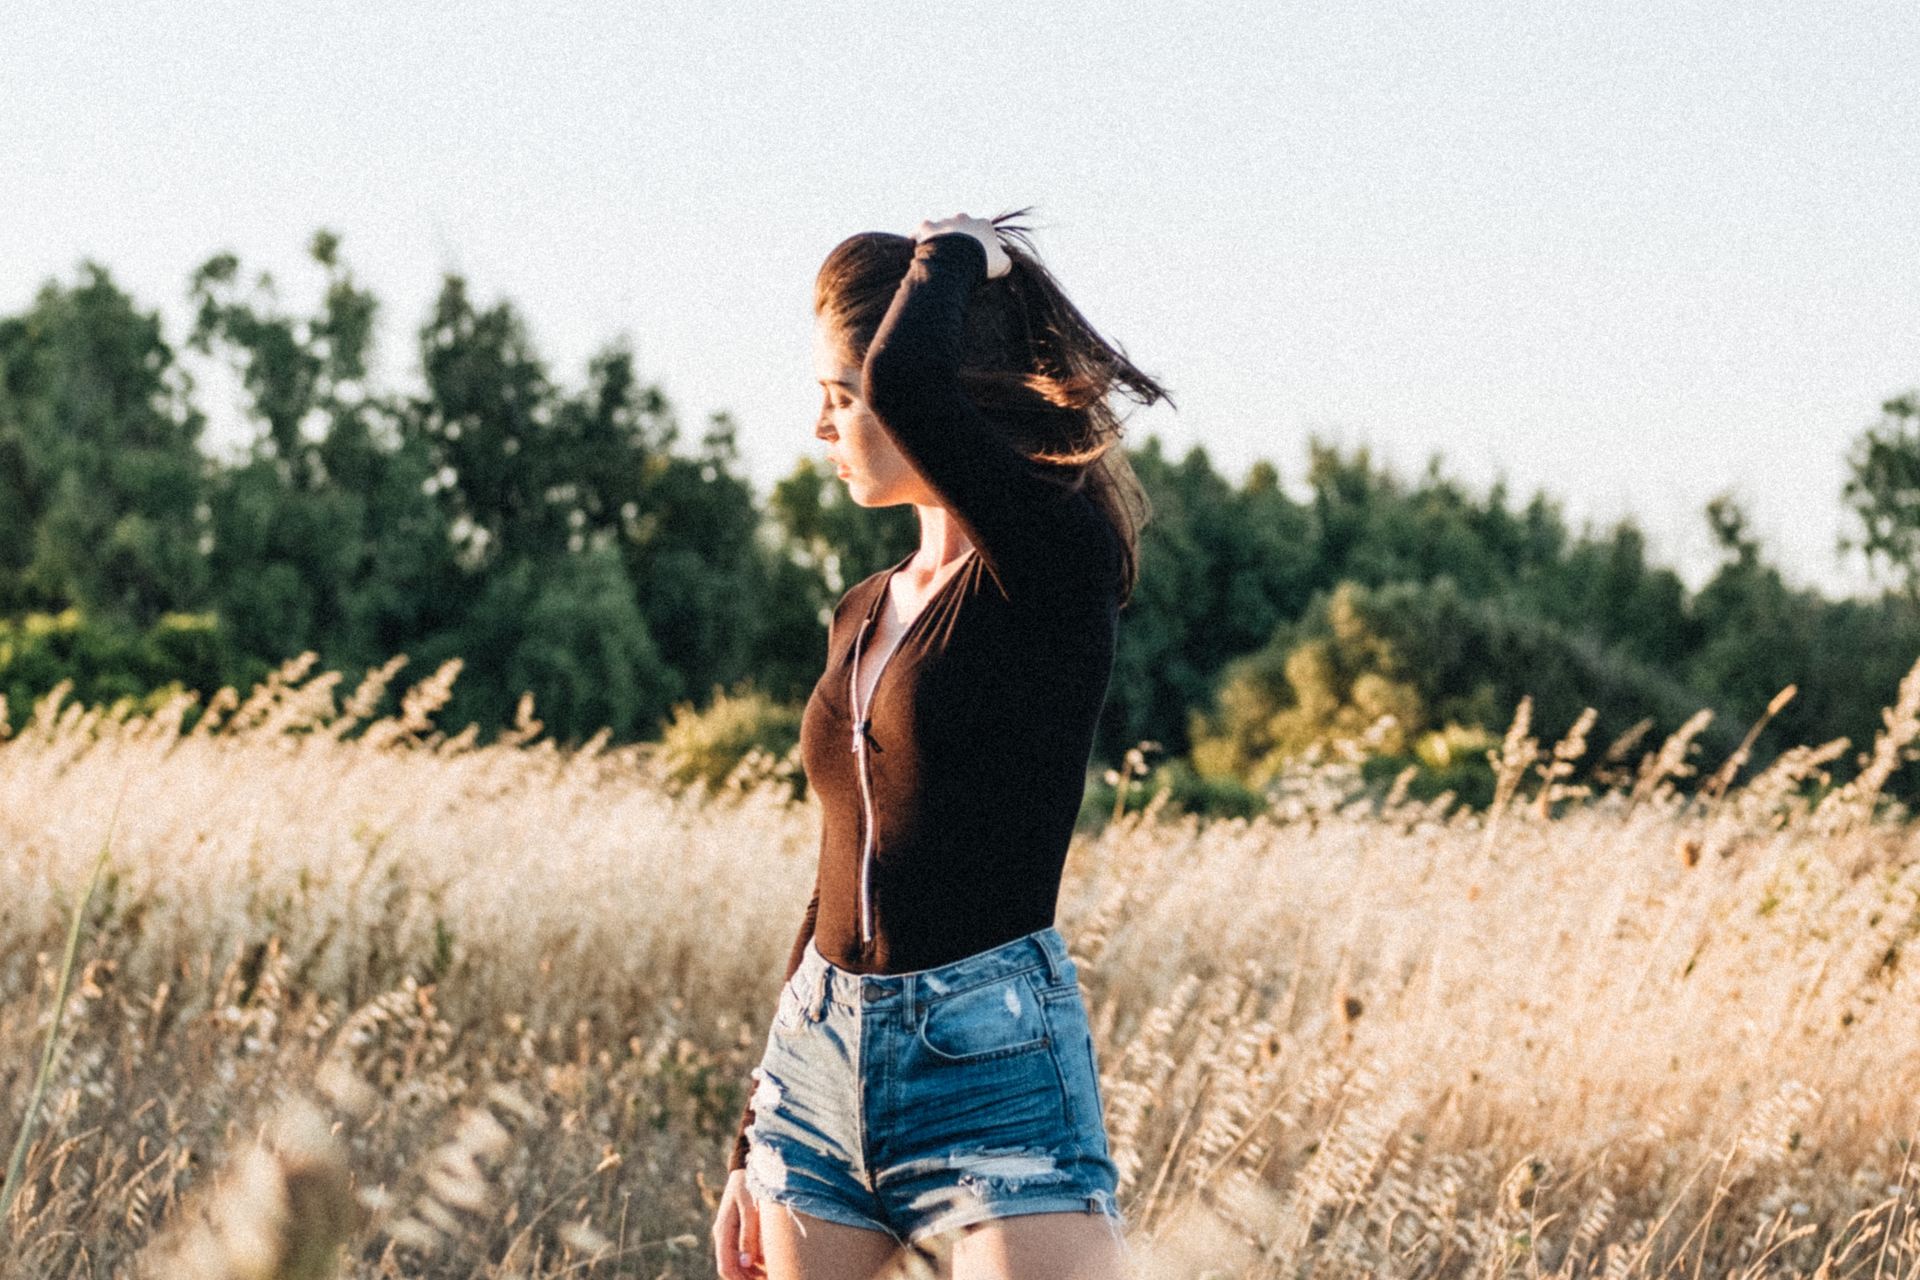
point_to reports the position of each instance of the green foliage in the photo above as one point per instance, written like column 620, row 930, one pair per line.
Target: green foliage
column 100, row 474
column 1226, row 569
column 1432, row 659
column 702, row 576
column 549, row 538
column 835, row 539
column 1185, row 790
column 327, row 534
column 569, row 631
column 1846, row 657
column 1451, row 758
column 564, row 542
column 106, row 659
column 1220, row 568
column 1882, row 491
column 707, row 744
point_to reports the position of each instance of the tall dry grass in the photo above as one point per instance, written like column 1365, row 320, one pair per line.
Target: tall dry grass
column 394, row 1005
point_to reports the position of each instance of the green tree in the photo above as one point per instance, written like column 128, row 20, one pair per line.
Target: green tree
column 1436, row 660
column 835, row 539
column 105, row 659
column 1220, row 567
column 699, row 566
column 325, row 533
column 566, row 629
column 1882, row 491
column 100, row 475
column 1844, row 657
column 531, row 476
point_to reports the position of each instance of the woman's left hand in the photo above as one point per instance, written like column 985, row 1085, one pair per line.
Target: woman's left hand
column 998, row 263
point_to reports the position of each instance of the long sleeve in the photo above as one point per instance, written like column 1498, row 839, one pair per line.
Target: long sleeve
column 1027, row 527
column 737, row 1158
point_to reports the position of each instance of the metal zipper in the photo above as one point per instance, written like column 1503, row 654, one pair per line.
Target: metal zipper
column 861, row 727
column 861, row 733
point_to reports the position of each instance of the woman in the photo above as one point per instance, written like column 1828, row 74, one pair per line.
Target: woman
column 929, row 1067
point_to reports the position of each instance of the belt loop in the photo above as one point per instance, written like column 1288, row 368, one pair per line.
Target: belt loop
column 818, row 1005
column 1053, row 963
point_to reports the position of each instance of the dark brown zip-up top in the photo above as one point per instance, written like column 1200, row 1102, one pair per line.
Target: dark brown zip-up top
column 981, row 723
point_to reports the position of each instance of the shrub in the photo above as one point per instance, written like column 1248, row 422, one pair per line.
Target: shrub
column 707, row 745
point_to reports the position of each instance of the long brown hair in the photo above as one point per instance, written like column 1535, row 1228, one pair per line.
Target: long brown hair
column 1029, row 359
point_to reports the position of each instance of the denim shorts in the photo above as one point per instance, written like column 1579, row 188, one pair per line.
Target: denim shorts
column 913, row 1103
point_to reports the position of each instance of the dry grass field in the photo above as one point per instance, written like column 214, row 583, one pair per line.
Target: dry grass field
column 491, row 1012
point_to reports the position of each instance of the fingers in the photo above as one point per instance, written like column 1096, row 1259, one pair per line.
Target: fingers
column 736, row 1236
column 750, row 1236
column 726, row 1241
column 998, row 263
column 930, row 227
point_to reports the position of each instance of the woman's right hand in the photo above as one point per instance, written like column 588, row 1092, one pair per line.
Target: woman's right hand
column 736, row 1232
column 998, row 263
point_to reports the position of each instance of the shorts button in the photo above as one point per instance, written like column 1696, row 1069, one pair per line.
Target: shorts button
column 870, row 992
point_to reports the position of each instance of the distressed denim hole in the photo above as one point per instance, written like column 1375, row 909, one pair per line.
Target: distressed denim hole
column 987, row 1173
column 766, row 1094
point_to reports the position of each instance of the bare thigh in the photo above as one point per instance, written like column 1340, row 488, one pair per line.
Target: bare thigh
column 799, row 1246
column 1042, row 1246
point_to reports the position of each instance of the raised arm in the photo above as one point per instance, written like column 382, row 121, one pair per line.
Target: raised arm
column 1024, row 525
column 737, row 1158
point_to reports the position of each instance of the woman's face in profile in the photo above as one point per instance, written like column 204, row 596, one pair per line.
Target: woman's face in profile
column 876, row 473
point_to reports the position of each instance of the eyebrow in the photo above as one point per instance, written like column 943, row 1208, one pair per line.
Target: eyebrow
column 836, row 382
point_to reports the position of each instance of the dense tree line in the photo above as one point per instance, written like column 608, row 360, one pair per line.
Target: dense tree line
column 564, row 541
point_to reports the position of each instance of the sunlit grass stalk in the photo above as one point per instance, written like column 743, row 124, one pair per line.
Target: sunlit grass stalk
column 16, row 1163
column 1327, row 1025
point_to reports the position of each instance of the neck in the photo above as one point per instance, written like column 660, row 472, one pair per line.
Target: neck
column 942, row 540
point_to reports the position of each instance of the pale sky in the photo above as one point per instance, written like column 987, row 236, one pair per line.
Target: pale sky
column 1634, row 254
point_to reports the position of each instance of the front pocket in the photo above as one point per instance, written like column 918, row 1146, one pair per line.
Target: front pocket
column 993, row 1020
